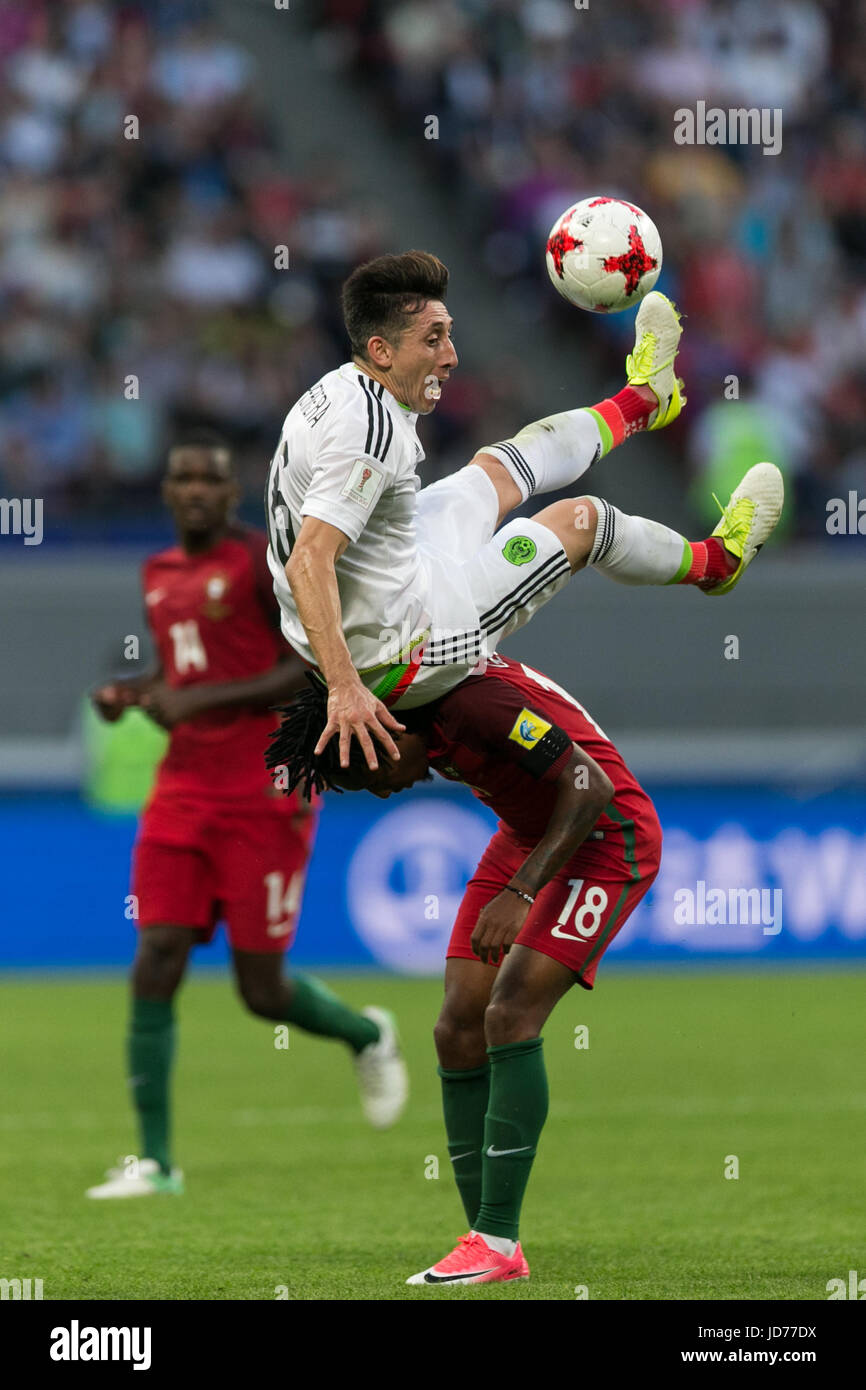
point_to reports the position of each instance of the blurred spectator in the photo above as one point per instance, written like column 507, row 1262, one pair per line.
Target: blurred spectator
column 154, row 257
column 540, row 104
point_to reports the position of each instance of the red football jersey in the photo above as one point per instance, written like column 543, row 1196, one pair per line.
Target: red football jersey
column 214, row 618
column 508, row 734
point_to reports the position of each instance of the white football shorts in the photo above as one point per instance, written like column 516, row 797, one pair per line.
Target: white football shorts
column 482, row 585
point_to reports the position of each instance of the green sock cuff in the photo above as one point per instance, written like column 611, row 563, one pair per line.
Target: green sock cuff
column 474, row 1075
column 518, row 1049
column 150, row 1015
column 685, row 563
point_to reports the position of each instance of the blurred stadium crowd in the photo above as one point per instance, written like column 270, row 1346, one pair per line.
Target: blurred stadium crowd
column 151, row 256
column 154, row 255
column 541, row 102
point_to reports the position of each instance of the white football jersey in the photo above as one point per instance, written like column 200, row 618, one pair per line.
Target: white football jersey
column 347, row 454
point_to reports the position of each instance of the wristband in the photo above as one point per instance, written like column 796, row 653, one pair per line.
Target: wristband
column 520, row 893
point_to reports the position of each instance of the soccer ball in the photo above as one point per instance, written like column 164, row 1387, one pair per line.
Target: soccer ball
column 604, row 255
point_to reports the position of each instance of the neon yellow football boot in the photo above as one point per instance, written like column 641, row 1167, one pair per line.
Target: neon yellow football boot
column 657, row 335
column 749, row 518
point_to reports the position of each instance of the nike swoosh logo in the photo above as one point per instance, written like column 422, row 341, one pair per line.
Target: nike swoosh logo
column 500, row 1153
column 136, row 1080
column 468, row 1154
column 450, row 1278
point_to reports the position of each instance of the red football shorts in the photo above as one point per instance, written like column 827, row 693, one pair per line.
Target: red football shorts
column 576, row 916
column 197, row 864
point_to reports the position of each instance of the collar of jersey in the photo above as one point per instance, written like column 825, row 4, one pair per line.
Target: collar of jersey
column 387, row 397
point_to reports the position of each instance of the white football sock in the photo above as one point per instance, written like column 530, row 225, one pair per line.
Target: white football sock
column 550, row 453
column 635, row 550
column 499, row 1244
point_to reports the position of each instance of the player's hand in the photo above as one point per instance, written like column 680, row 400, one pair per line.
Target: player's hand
column 354, row 711
column 498, row 927
column 167, row 706
column 112, row 699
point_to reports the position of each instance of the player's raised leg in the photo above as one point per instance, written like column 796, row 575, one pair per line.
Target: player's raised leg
column 552, row 453
column 306, row 1003
column 569, row 535
column 160, row 962
column 636, row 550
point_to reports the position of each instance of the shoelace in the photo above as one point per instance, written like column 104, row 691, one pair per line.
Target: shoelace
column 462, row 1256
column 737, row 516
column 641, row 360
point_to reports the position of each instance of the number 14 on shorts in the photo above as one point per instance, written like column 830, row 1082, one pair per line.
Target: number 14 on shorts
column 588, row 916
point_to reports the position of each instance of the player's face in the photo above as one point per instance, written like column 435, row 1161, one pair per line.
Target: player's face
column 423, row 358
column 199, row 490
column 390, row 776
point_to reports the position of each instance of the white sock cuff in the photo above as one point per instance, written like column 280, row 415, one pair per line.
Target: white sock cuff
column 606, row 531
column 509, row 455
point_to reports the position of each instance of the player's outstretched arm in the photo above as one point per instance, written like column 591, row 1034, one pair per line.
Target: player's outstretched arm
column 583, row 791
column 111, row 699
column 169, row 705
column 353, row 710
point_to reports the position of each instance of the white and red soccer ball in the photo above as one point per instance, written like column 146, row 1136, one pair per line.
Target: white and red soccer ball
column 604, row 255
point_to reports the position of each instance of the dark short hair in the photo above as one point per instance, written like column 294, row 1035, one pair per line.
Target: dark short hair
column 382, row 295
column 203, row 438
column 303, row 720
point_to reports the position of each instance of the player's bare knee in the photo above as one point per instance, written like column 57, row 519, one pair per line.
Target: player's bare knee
column 262, row 1000
column 160, row 959
column 574, row 522
column 507, row 491
column 459, row 1040
column 510, row 1019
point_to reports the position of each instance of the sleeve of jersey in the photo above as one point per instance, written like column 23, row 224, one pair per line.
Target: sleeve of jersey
column 355, row 463
column 493, row 719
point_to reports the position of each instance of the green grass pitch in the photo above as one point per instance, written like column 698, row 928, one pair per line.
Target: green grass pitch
column 286, row 1186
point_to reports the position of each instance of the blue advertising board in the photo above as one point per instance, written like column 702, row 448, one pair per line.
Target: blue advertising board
column 746, row 873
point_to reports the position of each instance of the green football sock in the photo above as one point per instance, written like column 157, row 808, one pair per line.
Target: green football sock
column 314, row 1008
column 150, row 1053
column 515, row 1118
column 464, row 1101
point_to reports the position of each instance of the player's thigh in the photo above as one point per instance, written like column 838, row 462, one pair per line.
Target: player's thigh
column 172, row 875
column 262, row 859
column 499, row 863
column 518, row 570
column 459, row 1030
column 457, row 514
column 579, row 913
column 527, row 988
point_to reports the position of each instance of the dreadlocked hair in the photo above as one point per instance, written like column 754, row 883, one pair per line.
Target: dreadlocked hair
column 291, row 747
